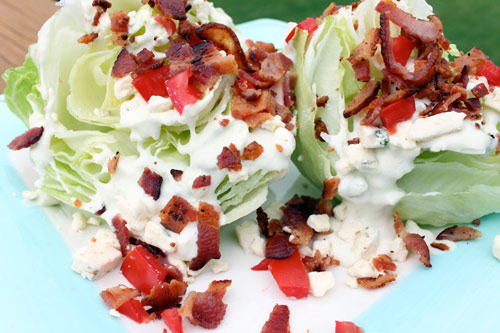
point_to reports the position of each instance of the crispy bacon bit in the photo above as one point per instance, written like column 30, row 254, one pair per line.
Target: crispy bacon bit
column 497, row 150
column 278, row 321
column 426, row 31
column 444, row 105
column 146, row 61
column 476, row 222
column 363, row 98
column 374, row 283
column 225, row 39
column 278, row 247
column 440, row 246
column 224, row 122
column 119, row 27
column 151, row 182
column 321, row 101
column 354, row 141
column 324, row 206
column 399, row 226
column 202, row 181
column 165, row 295
column 279, row 148
column 318, row 263
column 480, row 90
column 172, row 8
column 102, row 7
column 296, row 211
column 362, row 70
column 177, row 214
column 252, row 151
column 416, row 243
column 116, row 296
column 113, row 164
column 330, row 188
column 88, row 38
column 208, row 236
column 27, row 139
column 330, row 10
column 124, row 64
column 383, row 263
column 78, row 203
column 365, row 50
column 151, row 248
column 176, row 174
column 420, row 77
column 229, row 158
column 206, row 309
column 372, row 112
column 122, row 233
column 274, row 67
column 459, row 233
column 319, row 128
column 100, row 211
column 474, row 58
column 289, row 89
column 473, row 104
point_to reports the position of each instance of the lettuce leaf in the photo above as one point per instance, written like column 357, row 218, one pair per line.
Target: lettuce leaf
column 21, row 94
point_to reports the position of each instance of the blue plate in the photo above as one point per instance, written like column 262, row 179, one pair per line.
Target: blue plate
column 41, row 293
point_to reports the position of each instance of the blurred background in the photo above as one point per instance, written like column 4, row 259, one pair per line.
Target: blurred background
column 467, row 23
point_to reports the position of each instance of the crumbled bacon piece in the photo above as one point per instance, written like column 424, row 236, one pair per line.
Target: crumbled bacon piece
column 318, row 263
column 383, row 263
column 480, row 90
column 116, row 296
column 440, row 246
column 363, row 98
column 279, row 247
column 124, row 64
column 229, row 158
column 102, row 7
column 177, row 214
column 113, row 164
column 208, row 236
column 206, row 309
column 202, row 181
column 330, row 187
column 122, row 233
column 224, row 122
column 27, row 139
column 172, row 8
column 252, row 151
column 296, row 211
column 176, row 174
column 321, row 101
column 416, row 243
column 151, row 248
column 372, row 112
column 474, row 58
column 119, row 27
column 254, row 112
column 476, row 222
column 444, row 105
column 362, row 70
column 274, row 67
column 324, row 206
column 365, row 50
column 399, row 226
column 88, row 38
column 289, row 89
column 100, row 211
column 354, row 141
column 151, row 182
column 263, row 221
column 374, row 283
column 497, row 150
column 459, row 233
column 225, row 39
column 278, row 321
column 146, row 61
column 165, row 295
column 319, row 128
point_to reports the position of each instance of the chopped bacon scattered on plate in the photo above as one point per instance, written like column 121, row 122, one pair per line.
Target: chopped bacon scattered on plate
column 459, row 233
column 279, row 320
column 27, row 139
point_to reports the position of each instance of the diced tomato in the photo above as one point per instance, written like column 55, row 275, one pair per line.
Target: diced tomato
column 135, row 311
column 309, row 25
column 142, row 269
column 396, row 112
column 262, row 266
column 402, row 49
column 168, row 24
column 172, row 320
column 491, row 72
column 291, row 275
column 181, row 92
column 152, row 83
column 346, row 327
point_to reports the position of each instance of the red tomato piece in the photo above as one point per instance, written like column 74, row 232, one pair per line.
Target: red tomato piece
column 309, row 25
column 152, row 83
column 491, row 72
column 172, row 320
column 291, row 275
column 396, row 112
column 262, row 266
column 142, row 269
column 346, row 327
column 402, row 49
column 168, row 24
column 135, row 311
column 181, row 92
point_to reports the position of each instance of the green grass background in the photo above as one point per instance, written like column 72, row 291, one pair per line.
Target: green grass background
column 467, row 23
